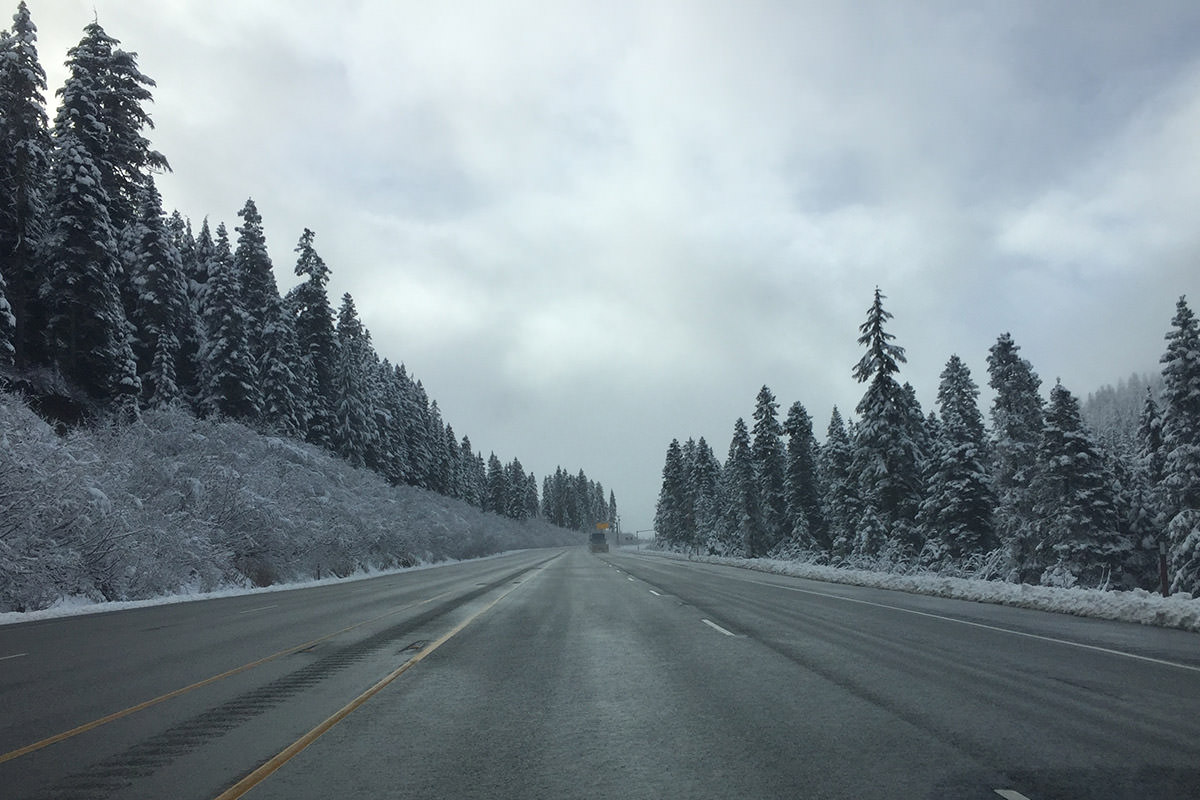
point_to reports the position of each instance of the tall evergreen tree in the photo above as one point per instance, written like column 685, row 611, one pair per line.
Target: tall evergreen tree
column 191, row 336
column 517, row 502
column 840, row 505
column 1181, row 444
column 1077, row 520
column 806, row 521
column 688, row 535
column 309, row 304
column 887, row 444
column 957, row 512
column 766, row 449
column 87, row 327
column 8, row 328
column 496, row 498
column 255, row 272
column 284, row 388
column 393, row 446
column 24, row 172
column 274, row 342
column 707, row 501
column 473, row 477
column 231, row 373
column 160, row 312
column 743, row 532
column 1017, row 434
column 670, row 512
column 355, row 431
column 125, row 158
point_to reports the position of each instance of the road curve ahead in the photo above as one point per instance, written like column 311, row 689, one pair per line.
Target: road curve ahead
column 560, row 674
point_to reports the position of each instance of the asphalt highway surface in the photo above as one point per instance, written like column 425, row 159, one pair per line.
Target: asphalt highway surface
column 562, row 674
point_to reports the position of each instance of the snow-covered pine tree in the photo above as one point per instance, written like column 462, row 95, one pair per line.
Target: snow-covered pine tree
column 708, row 504
column 957, row 511
column 309, row 302
column 231, row 373
column 1181, row 444
column 670, row 511
column 255, row 272
column 436, row 475
column 282, row 372
column 532, row 504
column 1147, row 515
column 160, row 311
column 1078, row 537
column 126, row 159
column 516, row 503
column 273, row 339
column 24, row 172
column 473, row 477
column 806, row 520
column 454, row 465
column 743, row 534
column 8, row 328
column 839, row 503
column 393, row 447
column 1016, row 436
column 888, row 441
column 766, row 449
column 599, row 505
column 496, row 496
column 87, row 328
column 688, row 535
column 416, row 429
column 355, row 431
column 190, row 375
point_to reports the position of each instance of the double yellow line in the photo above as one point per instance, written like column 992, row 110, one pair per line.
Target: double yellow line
column 291, row 751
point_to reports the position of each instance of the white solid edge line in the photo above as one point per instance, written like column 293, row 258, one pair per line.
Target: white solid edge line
column 717, row 627
column 1067, row 642
column 1010, row 794
column 14, row 655
column 260, row 608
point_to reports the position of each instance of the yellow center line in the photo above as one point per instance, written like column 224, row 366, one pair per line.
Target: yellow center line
column 96, row 723
column 291, row 751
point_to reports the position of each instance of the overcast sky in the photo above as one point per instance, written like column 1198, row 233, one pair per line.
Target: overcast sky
column 589, row 228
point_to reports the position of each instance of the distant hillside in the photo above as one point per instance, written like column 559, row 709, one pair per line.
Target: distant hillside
column 1113, row 412
column 172, row 503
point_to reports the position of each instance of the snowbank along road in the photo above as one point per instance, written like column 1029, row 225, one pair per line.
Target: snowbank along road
column 561, row 673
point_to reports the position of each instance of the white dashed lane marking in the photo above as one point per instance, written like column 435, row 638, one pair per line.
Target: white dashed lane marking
column 717, row 627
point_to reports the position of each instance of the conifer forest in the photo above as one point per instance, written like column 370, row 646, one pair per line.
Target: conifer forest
column 117, row 317
column 1041, row 496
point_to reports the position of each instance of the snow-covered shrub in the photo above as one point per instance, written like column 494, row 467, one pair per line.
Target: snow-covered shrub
column 169, row 503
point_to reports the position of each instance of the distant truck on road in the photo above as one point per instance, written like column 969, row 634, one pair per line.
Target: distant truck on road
column 598, row 542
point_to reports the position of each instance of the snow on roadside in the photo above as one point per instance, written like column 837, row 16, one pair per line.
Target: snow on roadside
column 78, row 606
column 1180, row 610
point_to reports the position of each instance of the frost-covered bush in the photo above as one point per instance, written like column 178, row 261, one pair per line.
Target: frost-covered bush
column 171, row 503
